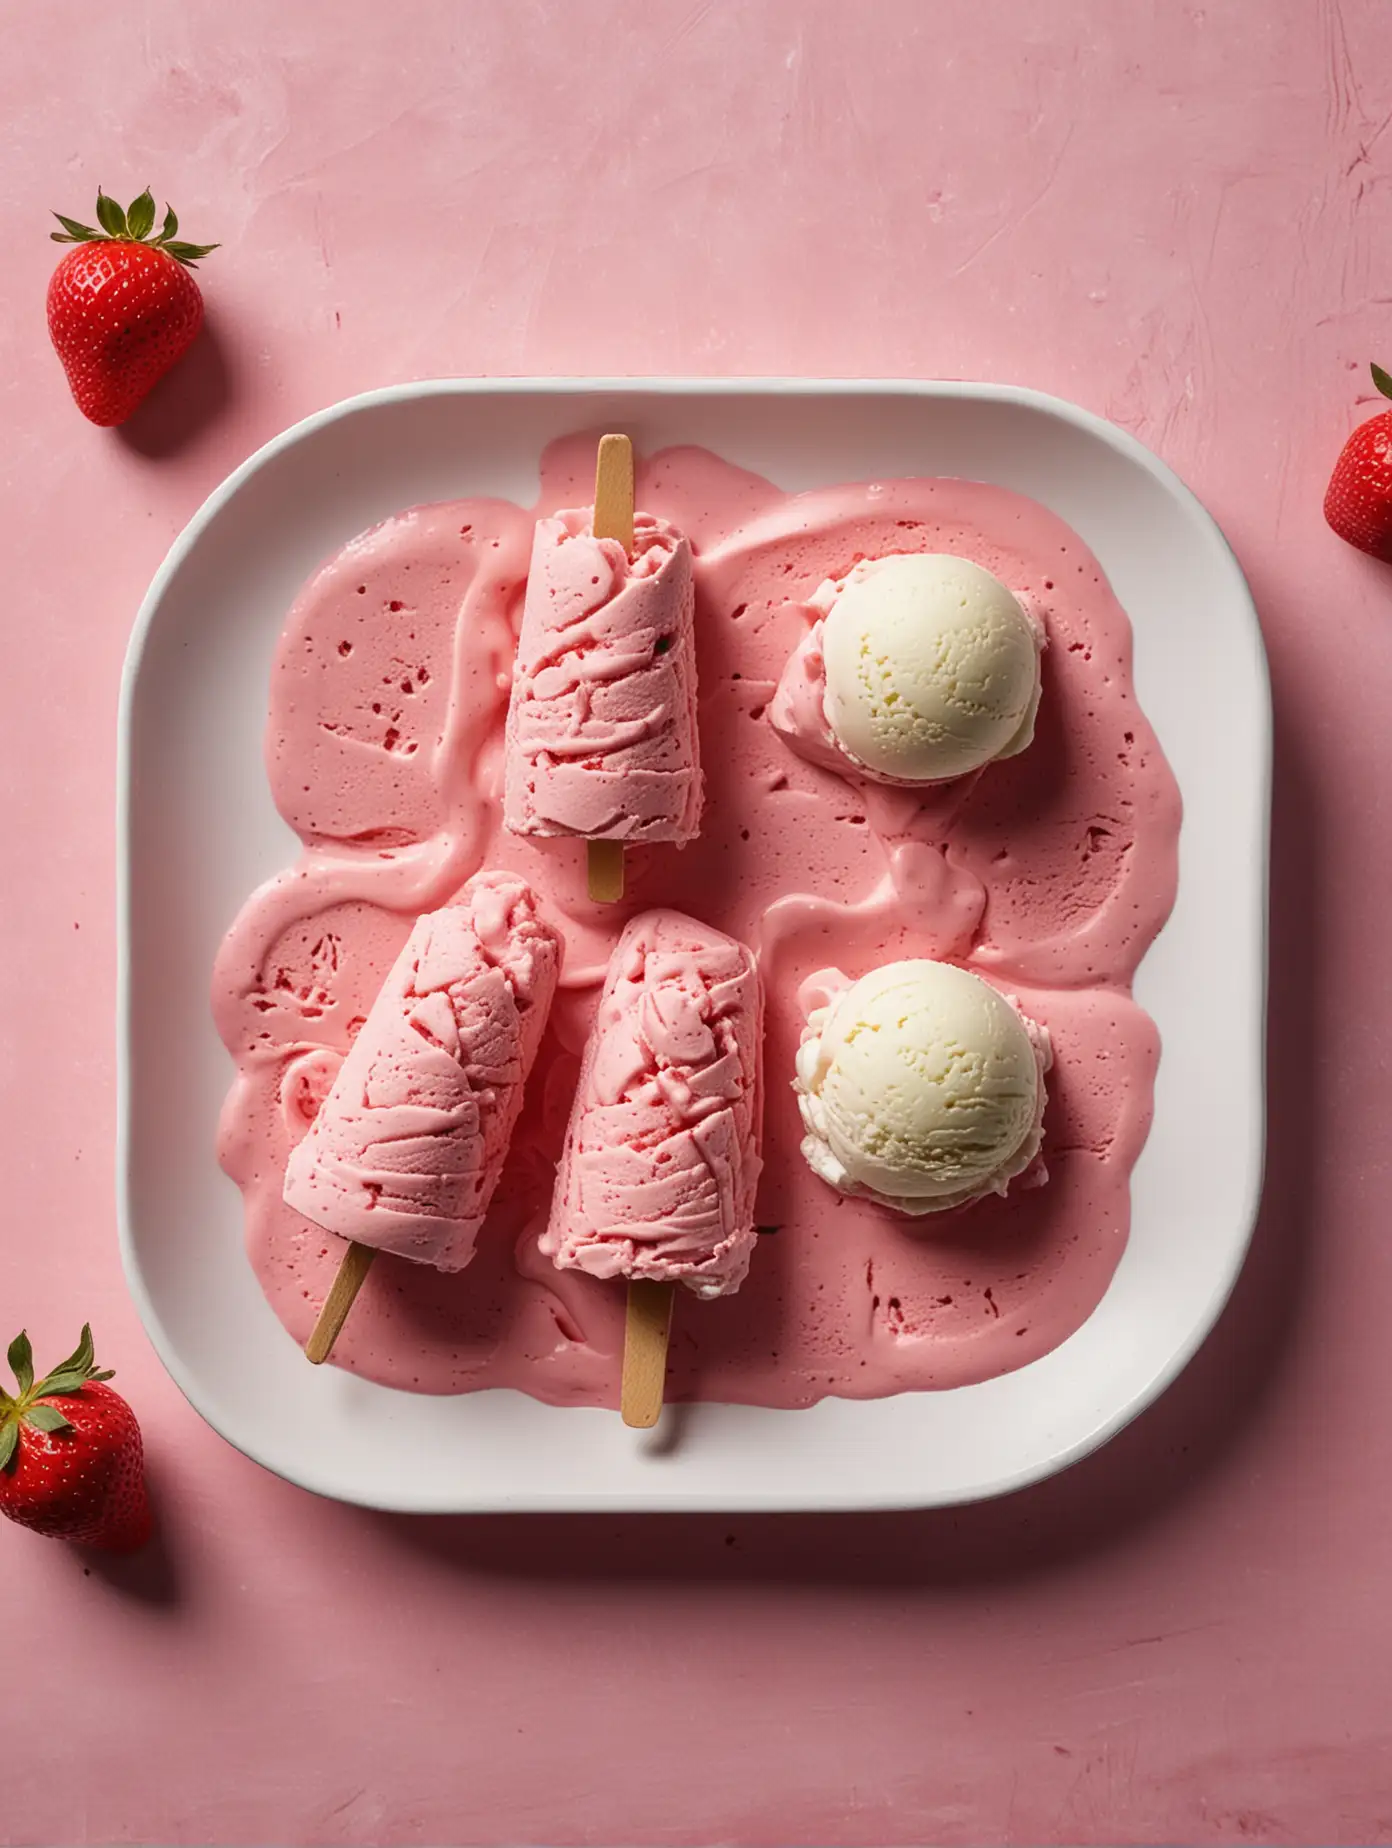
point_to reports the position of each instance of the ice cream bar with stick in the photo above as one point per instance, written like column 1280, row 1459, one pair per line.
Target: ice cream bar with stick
column 602, row 739
column 407, row 1147
column 661, row 1159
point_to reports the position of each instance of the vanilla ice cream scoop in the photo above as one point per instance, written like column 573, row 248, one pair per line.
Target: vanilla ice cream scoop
column 923, row 667
column 922, row 1087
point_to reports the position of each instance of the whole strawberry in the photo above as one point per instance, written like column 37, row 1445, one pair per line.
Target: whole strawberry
column 122, row 306
column 71, row 1461
column 1358, row 500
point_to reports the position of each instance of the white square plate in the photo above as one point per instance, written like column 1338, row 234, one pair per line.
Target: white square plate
column 198, row 832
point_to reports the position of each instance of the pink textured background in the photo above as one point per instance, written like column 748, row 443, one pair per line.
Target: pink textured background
column 1175, row 214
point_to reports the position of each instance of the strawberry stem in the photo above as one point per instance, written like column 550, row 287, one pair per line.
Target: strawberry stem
column 70, row 1375
column 132, row 225
column 27, row 1406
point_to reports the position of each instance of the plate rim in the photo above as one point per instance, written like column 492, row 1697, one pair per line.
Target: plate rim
column 660, row 1500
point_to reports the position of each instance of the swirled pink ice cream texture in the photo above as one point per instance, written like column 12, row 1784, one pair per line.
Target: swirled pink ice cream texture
column 661, row 1161
column 601, row 728
column 407, row 1148
column 1048, row 874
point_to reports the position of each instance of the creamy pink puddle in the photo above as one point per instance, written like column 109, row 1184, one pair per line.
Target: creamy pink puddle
column 1049, row 875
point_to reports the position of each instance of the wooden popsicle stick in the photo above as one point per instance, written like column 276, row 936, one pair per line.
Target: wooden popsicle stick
column 613, row 491
column 343, row 1293
column 613, row 519
column 604, row 870
column 646, row 1330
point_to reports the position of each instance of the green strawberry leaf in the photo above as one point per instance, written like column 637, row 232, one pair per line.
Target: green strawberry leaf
column 110, row 216
column 1382, row 380
column 170, row 227
column 46, row 1418
column 82, row 1356
column 188, row 254
column 79, row 233
column 21, row 1359
column 140, row 215
column 62, row 1382
column 9, row 1444
column 102, row 1373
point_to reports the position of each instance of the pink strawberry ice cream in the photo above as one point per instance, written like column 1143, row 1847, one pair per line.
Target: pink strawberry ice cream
column 601, row 729
column 407, row 1148
column 662, row 1156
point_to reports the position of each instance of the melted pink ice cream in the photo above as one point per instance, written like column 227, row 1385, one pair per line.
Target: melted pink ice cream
column 408, row 1145
column 1049, row 874
column 662, row 1155
column 601, row 728
column 797, row 711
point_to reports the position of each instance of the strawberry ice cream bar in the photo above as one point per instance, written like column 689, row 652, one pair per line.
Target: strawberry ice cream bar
column 661, row 1158
column 601, row 731
column 406, row 1149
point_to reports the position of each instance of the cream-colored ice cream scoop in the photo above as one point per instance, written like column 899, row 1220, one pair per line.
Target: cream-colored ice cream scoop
column 931, row 664
column 921, row 1086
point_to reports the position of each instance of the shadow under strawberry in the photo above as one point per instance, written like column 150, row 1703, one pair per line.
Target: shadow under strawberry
column 185, row 402
column 151, row 1576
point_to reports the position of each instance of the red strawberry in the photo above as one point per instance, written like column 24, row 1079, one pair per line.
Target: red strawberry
column 1358, row 500
column 71, row 1461
column 122, row 310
